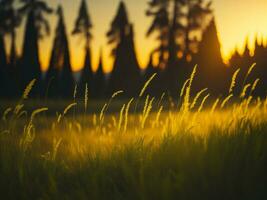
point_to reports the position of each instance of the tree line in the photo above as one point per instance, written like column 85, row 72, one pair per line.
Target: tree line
column 185, row 31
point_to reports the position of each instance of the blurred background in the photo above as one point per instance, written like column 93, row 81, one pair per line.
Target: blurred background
column 128, row 41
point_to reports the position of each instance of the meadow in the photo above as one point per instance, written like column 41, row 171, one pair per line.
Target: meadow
column 142, row 148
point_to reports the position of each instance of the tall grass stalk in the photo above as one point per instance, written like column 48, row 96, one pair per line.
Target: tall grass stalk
column 121, row 117
column 244, row 91
column 86, row 98
column 233, row 82
column 254, row 86
column 186, row 103
column 147, row 84
column 156, row 122
column 248, row 73
column 197, row 97
column 214, row 106
column 184, row 87
column 202, row 103
column 146, row 112
column 28, row 89
column 226, row 100
column 127, row 114
column 106, row 106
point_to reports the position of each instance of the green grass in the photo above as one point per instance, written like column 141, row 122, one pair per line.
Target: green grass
column 144, row 148
column 182, row 166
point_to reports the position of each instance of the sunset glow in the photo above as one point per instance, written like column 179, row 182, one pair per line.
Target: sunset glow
column 235, row 21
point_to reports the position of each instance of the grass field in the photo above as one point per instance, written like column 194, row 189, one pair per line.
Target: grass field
column 149, row 149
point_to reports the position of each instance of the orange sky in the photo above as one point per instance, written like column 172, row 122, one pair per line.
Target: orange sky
column 235, row 20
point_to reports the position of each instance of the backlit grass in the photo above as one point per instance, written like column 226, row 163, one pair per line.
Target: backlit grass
column 196, row 148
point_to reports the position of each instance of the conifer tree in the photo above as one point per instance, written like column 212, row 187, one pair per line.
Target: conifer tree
column 195, row 16
column 3, row 56
column 9, row 21
column 36, row 27
column 211, row 71
column 13, row 22
column 178, row 22
column 177, row 27
column 83, row 26
column 260, row 70
column 99, row 80
column 126, row 73
column 59, row 79
column 158, row 9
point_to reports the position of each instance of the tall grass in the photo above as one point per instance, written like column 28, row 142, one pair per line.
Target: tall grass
column 186, row 153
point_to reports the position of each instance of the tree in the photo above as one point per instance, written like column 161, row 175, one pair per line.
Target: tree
column 9, row 21
column 3, row 56
column 99, row 80
column 12, row 23
column 178, row 23
column 126, row 72
column 36, row 27
column 211, row 71
column 195, row 17
column 159, row 11
column 59, row 79
column 260, row 70
column 83, row 26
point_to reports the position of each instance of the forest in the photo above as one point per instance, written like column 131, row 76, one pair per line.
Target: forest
column 185, row 31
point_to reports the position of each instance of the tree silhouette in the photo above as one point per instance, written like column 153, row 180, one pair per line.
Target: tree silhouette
column 83, row 26
column 235, row 60
column 36, row 27
column 159, row 11
column 195, row 16
column 59, row 79
column 99, row 80
column 12, row 23
column 260, row 70
column 3, row 56
column 211, row 71
column 178, row 23
column 126, row 73
column 178, row 32
column 240, row 61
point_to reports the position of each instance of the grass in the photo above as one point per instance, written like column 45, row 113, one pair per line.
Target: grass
column 198, row 148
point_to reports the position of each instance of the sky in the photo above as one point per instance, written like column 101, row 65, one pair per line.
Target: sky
column 235, row 21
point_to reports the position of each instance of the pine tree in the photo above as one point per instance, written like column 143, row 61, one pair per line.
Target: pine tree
column 59, row 79
column 211, row 71
column 178, row 22
column 3, row 65
column 260, row 70
column 126, row 72
column 13, row 22
column 83, row 26
column 177, row 27
column 3, row 56
column 36, row 27
column 159, row 11
column 99, row 80
column 176, row 32
column 195, row 16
